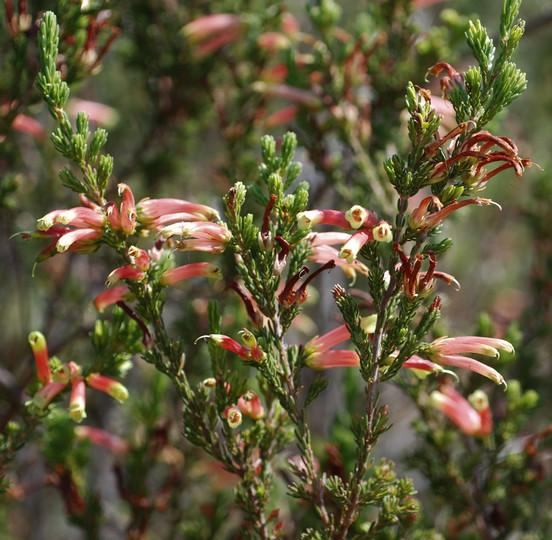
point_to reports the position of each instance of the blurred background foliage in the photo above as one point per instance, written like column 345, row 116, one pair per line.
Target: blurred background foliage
column 185, row 125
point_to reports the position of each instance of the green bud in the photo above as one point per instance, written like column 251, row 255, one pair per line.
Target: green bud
column 105, row 168
column 530, row 399
column 96, row 144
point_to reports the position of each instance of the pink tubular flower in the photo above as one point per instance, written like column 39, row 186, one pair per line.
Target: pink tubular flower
column 101, row 437
column 471, row 344
column 125, row 272
column 448, row 351
column 30, row 126
column 250, row 405
column 128, row 209
column 480, row 403
column 328, row 238
column 338, row 335
column 351, row 248
column 205, row 269
column 78, row 400
column 422, row 367
column 457, row 408
column 150, row 210
column 98, row 113
column 80, row 216
column 138, row 257
column 45, row 395
column 246, row 353
column 202, row 230
column 40, row 352
column 79, row 240
column 354, row 218
column 334, row 358
column 200, row 244
column 115, row 389
column 229, row 344
column 211, row 25
column 112, row 296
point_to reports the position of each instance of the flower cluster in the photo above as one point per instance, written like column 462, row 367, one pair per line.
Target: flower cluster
column 65, row 376
column 473, row 415
column 366, row 224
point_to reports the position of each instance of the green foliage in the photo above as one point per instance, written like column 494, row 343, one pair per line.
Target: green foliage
column 212, row 79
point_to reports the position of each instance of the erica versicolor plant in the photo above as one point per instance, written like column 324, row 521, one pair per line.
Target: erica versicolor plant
column 250, row 404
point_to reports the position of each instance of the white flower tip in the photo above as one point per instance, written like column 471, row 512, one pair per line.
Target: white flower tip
column 77, row 413
column 382, row 232
column 347, row 254
column 356, row 216
column 304, row 220
column 44, row 224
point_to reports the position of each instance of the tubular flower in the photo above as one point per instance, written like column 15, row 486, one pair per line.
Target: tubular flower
column 152, row 211
column 290, row 296
column 77, row 229
column 474, row 422
column 354, row 218
column 125, row 272
column 457, row 408
column 250, row 405
column 322, row 252
column 79, row 240
column 475, row 151
column 115, row 389
column 351, row 248
column 80, row 217
column 210, row 25
column 448, row 351
column 358, row 216
column 205, row 269
column 203, row 230
column 101, row 437
column 245, row 353
column 319, row 355
column 416, row 283
column 422, row 367
column 78, row 400
column 40, row 352
column 112, row 296
column 334, row 358
column 212, row 32
column 138, row 257
column 338, row 335
column 480, row 403
column 422, row 219
column 128, row 209
column 45, row 395
column 203, row 236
